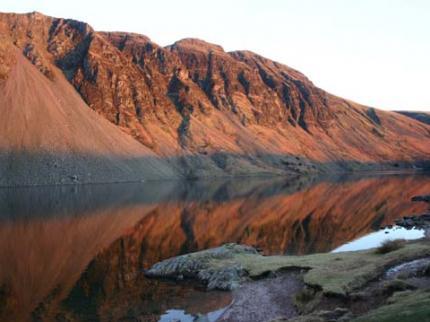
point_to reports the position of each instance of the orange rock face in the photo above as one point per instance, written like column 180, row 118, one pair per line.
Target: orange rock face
column 210, row 112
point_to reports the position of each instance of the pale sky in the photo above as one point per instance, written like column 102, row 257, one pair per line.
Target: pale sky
column 375, row 52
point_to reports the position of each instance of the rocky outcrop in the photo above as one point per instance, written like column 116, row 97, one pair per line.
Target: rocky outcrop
column 202, row 266
column 48, row 135
column 418, row 221
column 211, row 112
column 421, row 221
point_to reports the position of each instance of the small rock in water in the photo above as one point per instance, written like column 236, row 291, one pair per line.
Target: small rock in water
column 423, row 198
column 74, row 178
column 426, row 217
column 409, row 222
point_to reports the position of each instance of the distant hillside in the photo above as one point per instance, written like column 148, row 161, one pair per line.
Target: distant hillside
column 423, row 117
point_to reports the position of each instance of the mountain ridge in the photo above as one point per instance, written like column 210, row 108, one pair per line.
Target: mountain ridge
column 207, row 112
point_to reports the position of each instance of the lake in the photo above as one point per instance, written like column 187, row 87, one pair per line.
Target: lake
column 77, row 253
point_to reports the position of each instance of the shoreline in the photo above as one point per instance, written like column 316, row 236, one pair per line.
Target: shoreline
column 321, row 175
column 386, row 283
column 319, row 287
column 325, row 170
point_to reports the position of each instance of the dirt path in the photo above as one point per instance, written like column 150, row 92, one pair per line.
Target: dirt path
column 265, row 299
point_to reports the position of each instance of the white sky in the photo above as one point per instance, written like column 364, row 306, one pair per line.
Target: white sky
column 376, row 52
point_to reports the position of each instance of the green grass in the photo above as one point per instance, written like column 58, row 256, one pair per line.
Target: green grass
column 402, row 307
column 334, row 273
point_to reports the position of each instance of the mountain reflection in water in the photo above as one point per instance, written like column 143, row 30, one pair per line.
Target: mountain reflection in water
column 76, row 253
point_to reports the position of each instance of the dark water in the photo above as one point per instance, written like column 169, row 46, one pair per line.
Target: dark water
column 76, row 253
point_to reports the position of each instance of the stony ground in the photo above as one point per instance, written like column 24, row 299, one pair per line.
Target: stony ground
column 363, row 285
column 264, row 299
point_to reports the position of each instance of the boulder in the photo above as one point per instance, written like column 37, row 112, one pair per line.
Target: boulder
column 203, row 267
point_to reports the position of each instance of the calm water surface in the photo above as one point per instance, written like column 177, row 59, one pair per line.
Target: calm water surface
column 76, row 253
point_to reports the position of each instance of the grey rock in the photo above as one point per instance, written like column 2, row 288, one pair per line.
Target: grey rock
column 418, row 267
column 420, row 221
column 422, row 198
column 336, row 315
column 200, row 266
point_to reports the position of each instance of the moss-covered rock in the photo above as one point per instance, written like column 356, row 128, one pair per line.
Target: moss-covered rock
column 216, row 267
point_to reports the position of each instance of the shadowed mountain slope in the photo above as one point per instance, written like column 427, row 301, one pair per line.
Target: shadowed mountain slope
column 419, row 116
column 207, row 111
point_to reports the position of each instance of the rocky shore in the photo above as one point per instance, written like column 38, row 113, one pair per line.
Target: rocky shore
column 361, row 285
column 421, row 221
column 389, row 283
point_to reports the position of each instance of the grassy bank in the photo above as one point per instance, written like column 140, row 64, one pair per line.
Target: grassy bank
column 337, row 286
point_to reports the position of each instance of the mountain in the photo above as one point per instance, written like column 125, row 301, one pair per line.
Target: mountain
column 48, row 135
column 423, row 117
column 189, row 109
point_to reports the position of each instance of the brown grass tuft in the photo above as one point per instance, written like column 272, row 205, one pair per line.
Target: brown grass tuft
column 388, row 246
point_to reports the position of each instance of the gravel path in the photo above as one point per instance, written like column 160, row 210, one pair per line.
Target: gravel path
column 264, row 300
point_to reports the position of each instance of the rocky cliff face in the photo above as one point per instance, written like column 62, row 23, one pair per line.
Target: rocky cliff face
column 211, row 112
column 48, row 135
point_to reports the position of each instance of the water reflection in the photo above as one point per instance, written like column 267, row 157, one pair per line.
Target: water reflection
column 375, row 239
column 76, row 253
